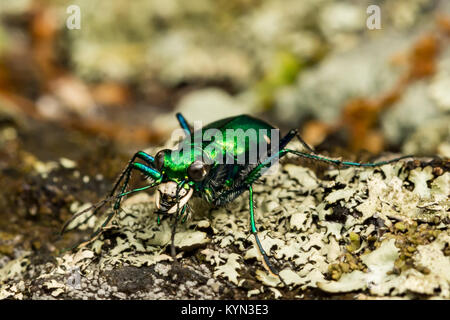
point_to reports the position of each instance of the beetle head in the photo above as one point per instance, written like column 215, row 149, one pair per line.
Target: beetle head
column 180, row 172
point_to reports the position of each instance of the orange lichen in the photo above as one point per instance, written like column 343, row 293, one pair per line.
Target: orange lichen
column 422, row 60
column 111, row 94
column 44, row 31
column 443, row 22
column 314, row 132
column 114, row 130
column 360, row 116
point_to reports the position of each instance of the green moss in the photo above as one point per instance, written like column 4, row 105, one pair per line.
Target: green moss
column 283, row 71
column 3, row 40
column 7, row 250
column 335, row 271
column 400, row 226
column 355, row 242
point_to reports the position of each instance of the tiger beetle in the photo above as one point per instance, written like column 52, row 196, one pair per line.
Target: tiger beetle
column 218, row 171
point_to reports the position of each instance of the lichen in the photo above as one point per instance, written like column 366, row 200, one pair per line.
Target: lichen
column 383, row 232
column 229, row 269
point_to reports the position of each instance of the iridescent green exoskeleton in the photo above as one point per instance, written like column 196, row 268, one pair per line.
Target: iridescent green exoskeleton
column 218, row 167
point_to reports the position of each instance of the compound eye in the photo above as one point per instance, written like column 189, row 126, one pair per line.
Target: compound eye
column 159, row 159
column 198, row 170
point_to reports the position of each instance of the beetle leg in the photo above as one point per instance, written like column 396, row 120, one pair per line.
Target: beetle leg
column 140, row 155
column 184, row 214
column 307, row 146
column 127, row 174
column 287, row 138
column 140, row 167
column 254, row 231
column 257, row 172
column 340, row 162
column 290, row 135
column 269, row 161
column 183, row 124
column 174, row 226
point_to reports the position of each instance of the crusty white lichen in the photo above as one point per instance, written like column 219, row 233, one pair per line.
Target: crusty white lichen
column 379, row 263
column 340, row 234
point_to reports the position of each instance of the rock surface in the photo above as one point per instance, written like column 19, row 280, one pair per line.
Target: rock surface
column 369, row 233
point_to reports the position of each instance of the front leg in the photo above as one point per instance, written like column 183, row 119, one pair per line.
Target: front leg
column 150, row 172
column 146, row 170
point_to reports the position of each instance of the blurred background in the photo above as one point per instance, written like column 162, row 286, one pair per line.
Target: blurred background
column 76, row 103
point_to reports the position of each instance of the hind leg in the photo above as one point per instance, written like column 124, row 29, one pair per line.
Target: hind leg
column 294, row 133
column 340, row 162
column 256, row 173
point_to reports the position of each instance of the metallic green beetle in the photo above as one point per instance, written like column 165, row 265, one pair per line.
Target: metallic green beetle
column 217, row 170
